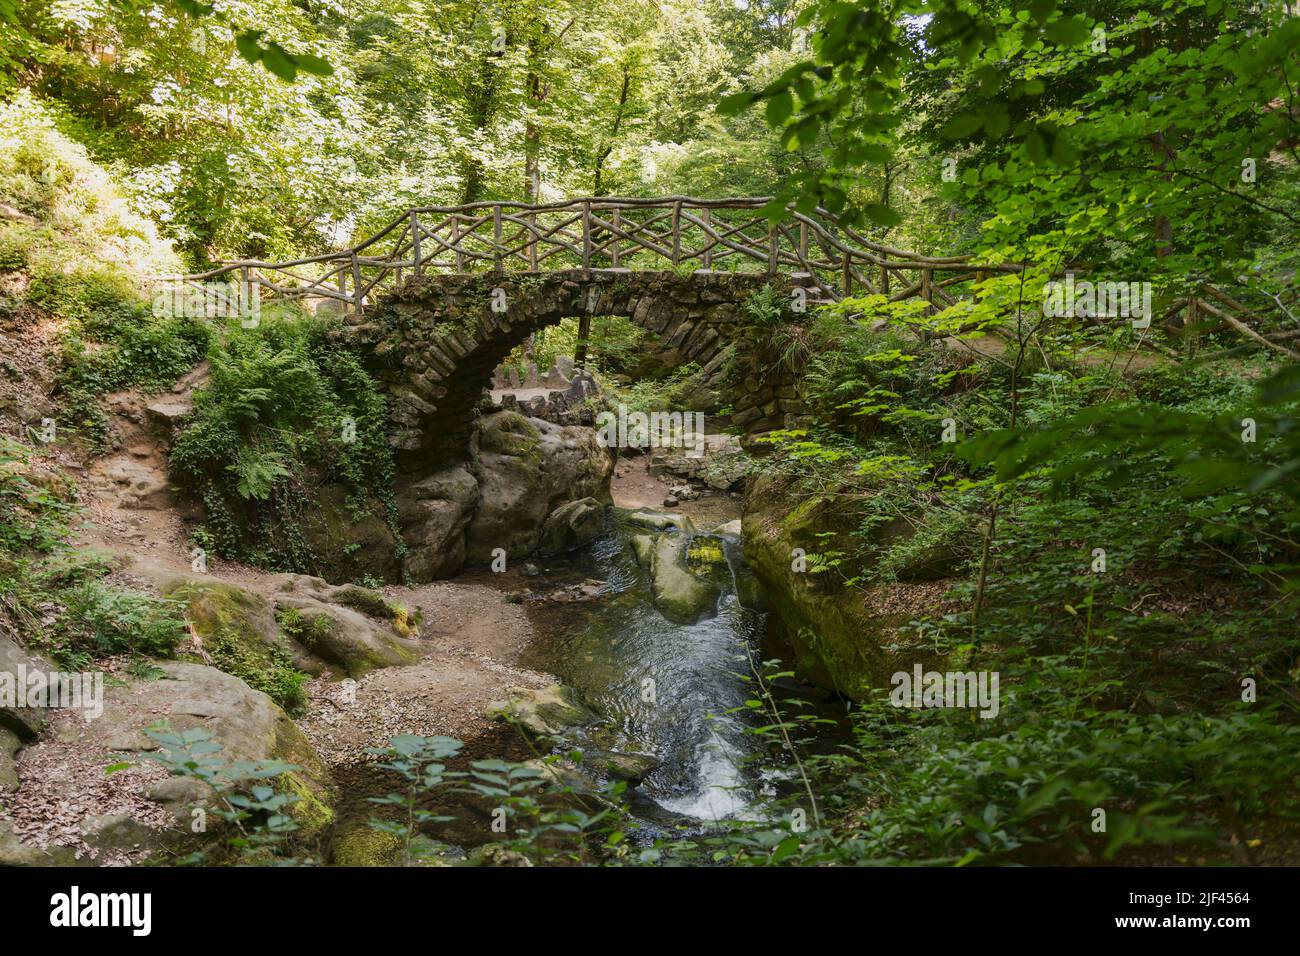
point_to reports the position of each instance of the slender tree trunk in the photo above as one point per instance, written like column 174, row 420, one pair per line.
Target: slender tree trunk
column 481, row 101
column 532, row 131
column 603, row 156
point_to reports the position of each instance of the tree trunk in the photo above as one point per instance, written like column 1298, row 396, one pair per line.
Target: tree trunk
column 601, row 157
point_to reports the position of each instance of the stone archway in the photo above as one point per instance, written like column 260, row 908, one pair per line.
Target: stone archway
column 436, row 342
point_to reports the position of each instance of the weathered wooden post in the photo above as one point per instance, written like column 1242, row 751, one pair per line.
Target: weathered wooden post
column 927, row 290
column 677, row 233
column 613, row 245
column 497, row 263
column 707, row 259
column 245, row 293
column 848, row 275
column 773, row 250
column 356, row 283
column 532, row 242
column 455, row 242
column 415, row 244
column 586, row 236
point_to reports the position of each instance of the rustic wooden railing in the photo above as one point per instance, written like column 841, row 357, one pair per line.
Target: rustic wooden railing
column 678, row 232
column 601, row 233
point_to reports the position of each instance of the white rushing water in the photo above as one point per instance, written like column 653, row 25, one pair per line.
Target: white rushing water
column 696, row 672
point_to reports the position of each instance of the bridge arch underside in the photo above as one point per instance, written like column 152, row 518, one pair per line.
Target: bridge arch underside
column 436, row 341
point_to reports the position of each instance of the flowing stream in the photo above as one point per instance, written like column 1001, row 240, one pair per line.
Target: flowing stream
column 664, row 689
column 669, row 698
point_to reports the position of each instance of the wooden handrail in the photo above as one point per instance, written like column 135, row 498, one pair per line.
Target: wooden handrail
column 594, row 232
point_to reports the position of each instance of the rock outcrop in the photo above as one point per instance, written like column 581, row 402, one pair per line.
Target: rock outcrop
column 528, row 468
column 346, row 630
column 435, row 512
column 839, row 634
column 131, row 816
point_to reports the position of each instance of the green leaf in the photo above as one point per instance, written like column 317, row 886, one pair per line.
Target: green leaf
column 249, row 46
column 779, row 108
column 278, row 62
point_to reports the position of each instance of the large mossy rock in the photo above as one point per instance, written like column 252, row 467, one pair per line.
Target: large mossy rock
column 836, row 637
column 363, row 845
column 680, row 595
column 9, row 747
column 544, row 712
column 309, row 627
column 236, row 631
column 527, row 468
column 572, row 525
column 658, row 521
column 435, row 512
column 345, row 639
column 245, row 723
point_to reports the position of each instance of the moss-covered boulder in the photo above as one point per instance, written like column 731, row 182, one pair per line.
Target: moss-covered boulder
column 247, row 726
column 14, row 852
column 235, row 630
column 9, row 747
column 680, row 594
column 377, row 607
column 544, row 712
column 837, row 639
column 347, row 640
column 363, row 845
column 643, row 548
column 620, row 765
column 658, row 521
column 24, row 723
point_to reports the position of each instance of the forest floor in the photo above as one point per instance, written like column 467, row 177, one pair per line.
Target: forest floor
column 133, row 522
column 472, row 634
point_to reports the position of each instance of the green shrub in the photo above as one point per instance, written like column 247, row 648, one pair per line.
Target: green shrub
column 265, row 667
column 34, row 509
column 286, row 409
column 100, row 621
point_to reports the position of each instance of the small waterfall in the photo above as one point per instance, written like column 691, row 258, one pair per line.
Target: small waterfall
column 665, row 689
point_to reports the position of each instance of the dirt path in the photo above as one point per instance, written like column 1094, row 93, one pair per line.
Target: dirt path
column 634, row 487
column 474, row 636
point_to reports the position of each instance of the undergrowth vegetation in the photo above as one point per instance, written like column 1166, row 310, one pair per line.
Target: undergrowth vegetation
column 286, row 411
column 1123, row 550
column 54, row 598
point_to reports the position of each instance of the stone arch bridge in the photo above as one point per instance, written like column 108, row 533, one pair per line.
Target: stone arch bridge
column 419, row 291
column 441, row 295
column 437, row 341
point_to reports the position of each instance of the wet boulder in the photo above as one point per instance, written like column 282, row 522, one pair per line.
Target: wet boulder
column 544, row 712
column 680, row 595
column 571, row 526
